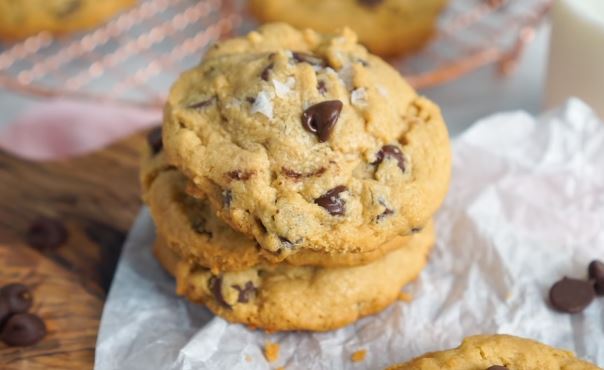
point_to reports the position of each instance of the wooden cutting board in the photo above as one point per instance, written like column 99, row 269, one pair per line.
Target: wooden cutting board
column 97, row 197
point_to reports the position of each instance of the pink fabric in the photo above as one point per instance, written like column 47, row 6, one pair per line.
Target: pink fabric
column 64, row 128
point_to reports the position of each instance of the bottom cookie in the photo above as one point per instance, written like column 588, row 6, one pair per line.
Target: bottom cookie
column 498, row 352
column 283, row 297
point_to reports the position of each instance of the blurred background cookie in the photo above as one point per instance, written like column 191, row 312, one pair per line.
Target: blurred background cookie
column 386, row 27
column 22, row 18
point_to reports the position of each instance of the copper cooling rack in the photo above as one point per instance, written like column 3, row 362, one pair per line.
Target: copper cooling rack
column 134, row 58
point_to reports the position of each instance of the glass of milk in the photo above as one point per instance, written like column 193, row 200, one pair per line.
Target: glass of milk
column 576, row 60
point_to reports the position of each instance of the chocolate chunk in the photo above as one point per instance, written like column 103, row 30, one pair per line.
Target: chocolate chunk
column 227, row 198
column 308, row 58
column 321, row 118
column 23, row 329
column 250, row 99
column 202, row 104
column 46, row 234
column 370, row 3
column 571, row 295
column 154, row 139
column 245, row 292
column 240, row 175
column 497, row 367
column 322, row 87
column 266, row 71
column 215, row 285
column 391, row 151
column 332, row 202
column 17, row 296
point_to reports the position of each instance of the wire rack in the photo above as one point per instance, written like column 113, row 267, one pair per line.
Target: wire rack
column 135, row 57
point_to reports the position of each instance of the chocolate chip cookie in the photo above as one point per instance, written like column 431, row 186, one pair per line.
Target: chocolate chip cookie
column 306, row 141
column 386, row 27
column 189, row 227
column 22, row 18
column 283, row 297
column 498, row 352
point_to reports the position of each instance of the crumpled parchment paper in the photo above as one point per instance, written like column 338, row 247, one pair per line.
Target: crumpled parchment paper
column 525, row 208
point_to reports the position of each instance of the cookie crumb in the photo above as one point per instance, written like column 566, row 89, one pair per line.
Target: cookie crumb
column 248, row 358
column 271, row 351
column 405, row 297
column 358, row 356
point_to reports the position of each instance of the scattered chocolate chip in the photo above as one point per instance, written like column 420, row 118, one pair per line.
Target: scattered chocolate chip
column 596, row 273
column 23, row 329
column 571, row 295
column 286, row 243
column 199, row 225
column 266, row 71
column 391, row 151
column 321, row 118
column 227, row 198
column 46, row 234
column 154, row 139
column 596, row 270
column 240, row 175
column 332, row 202
column 308, row 58
column 322, row 87
column 202, row 104
column 245, row 292
column 215, row 285
column 297, row 175
column 4, row 311
column 416, row 230
column 497, row 367
column 370, row 2
column 385, row 214
column 17, row 296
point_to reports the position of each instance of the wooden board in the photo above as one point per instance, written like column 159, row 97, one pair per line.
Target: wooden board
column 97, row 196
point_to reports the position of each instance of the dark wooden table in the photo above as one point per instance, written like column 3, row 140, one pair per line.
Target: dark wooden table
column 97, row 197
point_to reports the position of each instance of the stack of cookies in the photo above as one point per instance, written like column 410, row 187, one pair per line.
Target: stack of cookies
column 294, row 180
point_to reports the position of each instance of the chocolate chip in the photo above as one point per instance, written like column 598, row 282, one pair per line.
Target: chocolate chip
column 23, row 329
column 308, row 58
column 46, row 234
column 199, row 225
column 416, row 230
column 322, row 87
column 497, row 367
column 17, row 296
column 4, row 311
column 332, row 202
column 364, row 63
column 240, row 175
column 266, row 71
column 390, row 151
column 250, row 99
column 385, row 214
column 154, row 139
column 215, row 285
column 227, row 198
column 297, row 175
column 571, row 295
column 202, row 104
column 321, row 118
column 245, row 292
column 370, row 2
column 596, row 272
column 261, row 225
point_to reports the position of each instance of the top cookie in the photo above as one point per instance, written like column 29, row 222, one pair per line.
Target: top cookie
column 308, row 141
column 498, row 352
column 386, row 27
column 22, row 18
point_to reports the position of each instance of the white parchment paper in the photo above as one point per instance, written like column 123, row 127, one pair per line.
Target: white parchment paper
column 526, row 207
